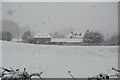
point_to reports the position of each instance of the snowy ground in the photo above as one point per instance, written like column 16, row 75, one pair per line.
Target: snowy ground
column 0, row 53
column 83, row 61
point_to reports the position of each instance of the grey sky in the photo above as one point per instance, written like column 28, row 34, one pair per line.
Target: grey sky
column 64, row 16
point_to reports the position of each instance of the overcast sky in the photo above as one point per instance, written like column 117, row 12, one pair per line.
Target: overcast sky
column 64, row 16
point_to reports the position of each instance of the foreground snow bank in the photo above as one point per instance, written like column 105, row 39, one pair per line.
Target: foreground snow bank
column 56, row 60
column 0, row 53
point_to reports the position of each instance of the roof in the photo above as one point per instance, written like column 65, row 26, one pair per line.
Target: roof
column 73, row 40
column 42, row 35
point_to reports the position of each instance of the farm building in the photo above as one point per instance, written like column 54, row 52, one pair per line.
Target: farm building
column 66, row 40
column 71, row 38
column 74, row 35
column 42, row 38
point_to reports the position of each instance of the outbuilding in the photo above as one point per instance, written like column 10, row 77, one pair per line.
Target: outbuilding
column 42, row 38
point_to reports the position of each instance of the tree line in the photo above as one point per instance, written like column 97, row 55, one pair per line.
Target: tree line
column 90, row 37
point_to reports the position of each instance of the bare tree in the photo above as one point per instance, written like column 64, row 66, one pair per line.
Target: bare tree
column 115, row 39
column 7, row 36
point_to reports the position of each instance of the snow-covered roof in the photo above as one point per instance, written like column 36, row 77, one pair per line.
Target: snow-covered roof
column 73, row 40
column 42, row 35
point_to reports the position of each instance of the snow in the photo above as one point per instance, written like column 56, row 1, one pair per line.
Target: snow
column 0, row 53
column 15, row 40
column 56, row 60
column 72, row 40
column 42, row 35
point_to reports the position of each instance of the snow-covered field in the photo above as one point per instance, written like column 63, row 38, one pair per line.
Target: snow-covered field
column 0, row 54
column 56, row 60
